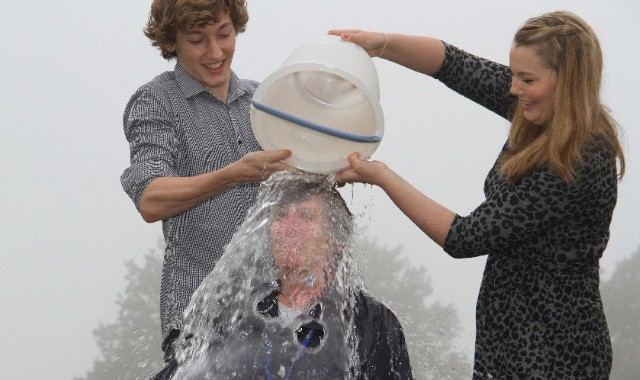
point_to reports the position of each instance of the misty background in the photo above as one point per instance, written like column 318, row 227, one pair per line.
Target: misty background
column 78, row 262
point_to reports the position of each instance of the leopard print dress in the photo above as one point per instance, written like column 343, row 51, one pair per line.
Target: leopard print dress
column 539, row 314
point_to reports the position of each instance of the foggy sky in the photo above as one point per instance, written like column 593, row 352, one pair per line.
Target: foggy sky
column 66, row 226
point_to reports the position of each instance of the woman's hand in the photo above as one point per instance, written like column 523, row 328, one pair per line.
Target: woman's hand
column 362, row 171
column 373, row 42
column 420, row 53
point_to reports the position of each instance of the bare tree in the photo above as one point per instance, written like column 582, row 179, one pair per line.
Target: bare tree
column 430, row 328
column 621, row 300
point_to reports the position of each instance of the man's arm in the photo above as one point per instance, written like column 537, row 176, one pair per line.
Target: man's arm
column 165, row 197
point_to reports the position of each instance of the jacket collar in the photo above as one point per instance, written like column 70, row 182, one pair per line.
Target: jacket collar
column 269, row 306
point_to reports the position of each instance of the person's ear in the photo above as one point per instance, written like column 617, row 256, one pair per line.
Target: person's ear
column 171, row 47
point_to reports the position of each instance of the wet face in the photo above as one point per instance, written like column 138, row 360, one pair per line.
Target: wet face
column 534, row 83
column 300, row 238
column 205, row 51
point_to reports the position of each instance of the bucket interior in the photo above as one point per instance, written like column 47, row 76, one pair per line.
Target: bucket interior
column 321, row 97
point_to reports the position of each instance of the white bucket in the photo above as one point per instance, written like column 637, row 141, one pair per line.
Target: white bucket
column 322, row 104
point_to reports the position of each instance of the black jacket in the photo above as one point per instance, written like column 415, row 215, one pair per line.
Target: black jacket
column 313, row 347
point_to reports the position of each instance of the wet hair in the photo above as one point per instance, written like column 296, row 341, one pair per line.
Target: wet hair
column 168, row 16
column 568, row 45
column 300, row 188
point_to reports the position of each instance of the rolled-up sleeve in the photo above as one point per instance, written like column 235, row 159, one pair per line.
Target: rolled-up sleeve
column 150, row 129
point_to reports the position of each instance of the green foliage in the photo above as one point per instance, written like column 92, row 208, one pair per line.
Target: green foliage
column 430, row 329
column 621, row 300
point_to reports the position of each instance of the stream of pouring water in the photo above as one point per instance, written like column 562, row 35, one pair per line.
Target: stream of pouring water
column 225, row 335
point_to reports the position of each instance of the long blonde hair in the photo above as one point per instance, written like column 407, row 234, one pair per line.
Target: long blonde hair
column 569, row 46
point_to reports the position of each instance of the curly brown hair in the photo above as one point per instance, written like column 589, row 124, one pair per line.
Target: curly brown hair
column 168, row 16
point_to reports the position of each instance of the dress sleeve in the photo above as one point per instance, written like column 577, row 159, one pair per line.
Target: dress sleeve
column 540, row 202
column 149, row 127
column 485, row 82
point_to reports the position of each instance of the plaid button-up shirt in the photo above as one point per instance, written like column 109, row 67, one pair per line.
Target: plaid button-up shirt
column 176, row 128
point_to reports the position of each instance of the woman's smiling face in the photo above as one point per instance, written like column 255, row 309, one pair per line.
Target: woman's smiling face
column 534, row 83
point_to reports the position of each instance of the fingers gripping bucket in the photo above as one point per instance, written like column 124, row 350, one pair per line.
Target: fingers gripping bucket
column 323, row 103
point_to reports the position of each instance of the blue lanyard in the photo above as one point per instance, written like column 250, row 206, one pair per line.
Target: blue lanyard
column 299, row 355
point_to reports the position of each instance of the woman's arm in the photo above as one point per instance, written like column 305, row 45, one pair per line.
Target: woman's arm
column 431, row 217
column 478, row 79
column 420, row 53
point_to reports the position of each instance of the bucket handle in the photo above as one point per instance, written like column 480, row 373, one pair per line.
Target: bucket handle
column 316, row 127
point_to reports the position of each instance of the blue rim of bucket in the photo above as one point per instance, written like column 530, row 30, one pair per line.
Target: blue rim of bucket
column 316, row 127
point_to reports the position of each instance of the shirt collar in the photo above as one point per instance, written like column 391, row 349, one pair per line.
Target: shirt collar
column 269, row 306
column 190, row 86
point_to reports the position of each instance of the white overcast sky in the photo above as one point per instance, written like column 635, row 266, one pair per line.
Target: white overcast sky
column 69, row 67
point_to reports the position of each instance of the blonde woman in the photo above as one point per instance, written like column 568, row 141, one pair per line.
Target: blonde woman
column 549, row 197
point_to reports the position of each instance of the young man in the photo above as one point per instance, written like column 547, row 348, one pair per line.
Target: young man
column 195, row 163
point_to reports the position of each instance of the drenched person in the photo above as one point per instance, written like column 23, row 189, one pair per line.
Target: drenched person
column 287, row 300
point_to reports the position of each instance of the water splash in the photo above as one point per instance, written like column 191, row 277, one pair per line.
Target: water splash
column 229, row 332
